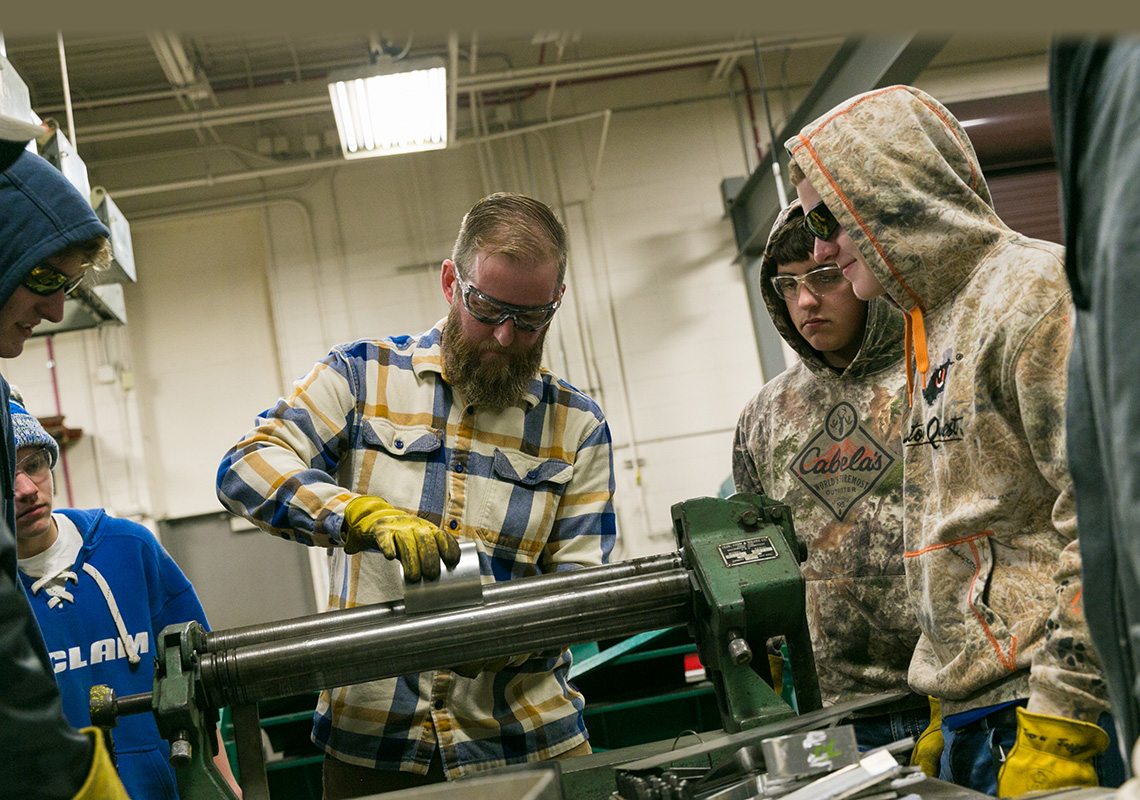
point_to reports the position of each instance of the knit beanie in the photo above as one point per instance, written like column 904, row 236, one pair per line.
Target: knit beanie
column 28, row 431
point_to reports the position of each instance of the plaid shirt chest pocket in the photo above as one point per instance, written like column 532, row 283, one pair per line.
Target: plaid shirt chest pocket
column 520, row 502
column 392, row 460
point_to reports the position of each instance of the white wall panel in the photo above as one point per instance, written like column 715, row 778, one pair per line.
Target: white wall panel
column 205, row 355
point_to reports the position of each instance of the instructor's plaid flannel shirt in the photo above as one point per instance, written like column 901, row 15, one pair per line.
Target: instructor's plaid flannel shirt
column 532, row 485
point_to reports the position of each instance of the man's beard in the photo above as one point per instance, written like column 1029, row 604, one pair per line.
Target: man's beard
column 498, row 383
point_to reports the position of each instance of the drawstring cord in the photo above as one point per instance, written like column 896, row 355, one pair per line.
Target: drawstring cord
column 915, row 343
column 128, row 642
column 59, row 594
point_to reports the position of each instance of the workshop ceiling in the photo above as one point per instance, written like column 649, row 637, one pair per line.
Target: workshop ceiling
column 163, row 108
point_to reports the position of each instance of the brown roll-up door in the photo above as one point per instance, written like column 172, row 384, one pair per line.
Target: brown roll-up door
column 1028, row 201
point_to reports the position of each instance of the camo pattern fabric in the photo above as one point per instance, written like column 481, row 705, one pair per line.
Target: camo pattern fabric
column 992, row 556
column 827, row 443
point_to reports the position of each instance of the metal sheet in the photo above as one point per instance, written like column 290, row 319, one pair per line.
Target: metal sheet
column 456, row 588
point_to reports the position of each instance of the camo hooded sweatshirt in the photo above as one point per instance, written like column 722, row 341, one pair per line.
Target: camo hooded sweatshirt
column 827, row 443
column 991, row 552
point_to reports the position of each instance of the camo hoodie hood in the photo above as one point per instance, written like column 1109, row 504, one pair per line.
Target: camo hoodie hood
column 992, row 558
column 882, row 339
column 827, row 443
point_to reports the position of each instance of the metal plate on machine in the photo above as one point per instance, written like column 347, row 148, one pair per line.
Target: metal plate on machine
column 810, row 753
column 456, row 588
column 748, row 551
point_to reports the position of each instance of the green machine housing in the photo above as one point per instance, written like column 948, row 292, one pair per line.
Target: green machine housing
column 744, row 556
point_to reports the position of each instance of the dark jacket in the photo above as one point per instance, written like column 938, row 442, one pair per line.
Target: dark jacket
column 1095, row 92
column 40, row 214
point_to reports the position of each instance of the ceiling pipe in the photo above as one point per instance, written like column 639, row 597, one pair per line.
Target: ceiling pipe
column 218, row 116
column 560, row 73
column 452, row 87
column 66, row 90
column 633, row 62
column 326, row 163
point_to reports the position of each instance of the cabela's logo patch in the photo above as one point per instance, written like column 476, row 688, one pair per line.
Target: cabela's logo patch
column 842, row 462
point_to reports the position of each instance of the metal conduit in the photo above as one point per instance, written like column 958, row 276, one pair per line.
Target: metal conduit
column 402, row 644
column 503, row 592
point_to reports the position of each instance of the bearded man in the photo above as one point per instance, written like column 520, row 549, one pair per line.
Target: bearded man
column 392, row 450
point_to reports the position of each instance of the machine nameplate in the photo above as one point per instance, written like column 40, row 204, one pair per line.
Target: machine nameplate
column 748, row 551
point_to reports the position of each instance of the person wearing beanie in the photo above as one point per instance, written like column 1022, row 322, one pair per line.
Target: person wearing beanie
column 102, row 589
column 45, row 223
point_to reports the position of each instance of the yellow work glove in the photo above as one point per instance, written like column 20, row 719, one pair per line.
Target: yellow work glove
column 776, row 665
column 370, row 523
column 102, row 780
column 1050, row 753
column 927, row 752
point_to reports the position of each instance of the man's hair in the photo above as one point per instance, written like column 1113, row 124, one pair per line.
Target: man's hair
column 789, row 243
column 94, row 253
column 795, row 174
column 512, row 225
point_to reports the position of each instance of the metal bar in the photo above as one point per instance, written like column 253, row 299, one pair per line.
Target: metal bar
column 250, row 753
column 403, row 645
column 505, row 591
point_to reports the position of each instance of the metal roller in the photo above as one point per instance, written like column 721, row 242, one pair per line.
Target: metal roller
column 398, row 644
column 506, row 591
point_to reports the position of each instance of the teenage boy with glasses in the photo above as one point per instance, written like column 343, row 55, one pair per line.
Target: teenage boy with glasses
column 897, row 199
column 824, row 437
column 402, row 446
column 102, row 589
column 48, row 235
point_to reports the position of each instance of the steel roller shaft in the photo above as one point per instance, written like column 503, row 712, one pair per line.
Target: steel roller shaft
column 505, row 591
column 399, row 644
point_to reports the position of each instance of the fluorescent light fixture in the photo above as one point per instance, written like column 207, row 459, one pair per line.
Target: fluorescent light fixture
column 396, row 107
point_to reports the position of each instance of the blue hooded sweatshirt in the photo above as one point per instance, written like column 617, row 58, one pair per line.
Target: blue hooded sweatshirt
column 95, row 638
column 41, row 213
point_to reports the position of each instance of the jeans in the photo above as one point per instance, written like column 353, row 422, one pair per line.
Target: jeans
column 872, row 732
column 972, row 756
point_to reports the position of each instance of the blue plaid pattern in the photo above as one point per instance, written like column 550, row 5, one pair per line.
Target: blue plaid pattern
column 532, row 485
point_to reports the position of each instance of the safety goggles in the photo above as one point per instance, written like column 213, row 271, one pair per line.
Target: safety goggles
column 820, row 222
column 44, row 280
column 35, row 464
column 819, row 281
column 490, row 311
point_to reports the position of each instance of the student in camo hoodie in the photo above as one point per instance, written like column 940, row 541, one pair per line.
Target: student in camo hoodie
column 102, row 590
column 824, row 437
column 894, row 195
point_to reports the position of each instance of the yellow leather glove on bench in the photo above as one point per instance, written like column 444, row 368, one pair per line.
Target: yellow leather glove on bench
column 927, row 752
column 1050, row 753
column 370, row 523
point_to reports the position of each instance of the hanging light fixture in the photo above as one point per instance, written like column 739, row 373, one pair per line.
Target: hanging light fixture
column 389, row 108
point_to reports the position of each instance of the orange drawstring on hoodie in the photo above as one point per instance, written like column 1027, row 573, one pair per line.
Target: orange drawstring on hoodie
column 916, row 343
